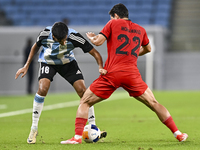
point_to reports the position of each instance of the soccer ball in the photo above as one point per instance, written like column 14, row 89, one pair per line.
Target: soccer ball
column 91, row 133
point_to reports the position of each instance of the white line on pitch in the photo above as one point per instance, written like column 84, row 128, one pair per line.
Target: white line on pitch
column 115, row 96
column 49, row 107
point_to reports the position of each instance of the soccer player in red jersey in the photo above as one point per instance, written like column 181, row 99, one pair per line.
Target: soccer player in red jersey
column 125, row 42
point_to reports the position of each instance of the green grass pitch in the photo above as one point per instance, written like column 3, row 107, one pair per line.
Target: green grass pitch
column 129, row 123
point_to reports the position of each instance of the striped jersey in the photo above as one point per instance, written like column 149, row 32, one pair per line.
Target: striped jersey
column 54, row 53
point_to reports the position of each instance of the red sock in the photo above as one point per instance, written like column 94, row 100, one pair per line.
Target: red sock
column 169, row 122
column 79, row 126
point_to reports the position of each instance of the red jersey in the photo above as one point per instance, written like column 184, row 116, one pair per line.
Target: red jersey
column 124, row 39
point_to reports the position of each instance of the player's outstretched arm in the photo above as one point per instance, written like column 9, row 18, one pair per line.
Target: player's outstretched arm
column 24, row 69
column 96, row 39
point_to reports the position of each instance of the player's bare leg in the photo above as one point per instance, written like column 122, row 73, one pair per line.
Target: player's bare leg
column 80, row 89
column 149, row 100
column 86, row 102
column 89, row 99
column 163, row 114
column 38, row 103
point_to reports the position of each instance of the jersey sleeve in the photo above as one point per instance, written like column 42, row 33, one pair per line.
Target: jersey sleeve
column 79, row 41
column 106, row 31
column 145, row 40
column 43, row 35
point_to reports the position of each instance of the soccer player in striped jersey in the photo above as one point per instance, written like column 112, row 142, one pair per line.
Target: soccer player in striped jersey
column 125, row 42
column 58, row 42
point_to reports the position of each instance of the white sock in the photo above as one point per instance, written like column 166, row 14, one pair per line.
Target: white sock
column 177, row 133
column 37, row 109
column 91, row 116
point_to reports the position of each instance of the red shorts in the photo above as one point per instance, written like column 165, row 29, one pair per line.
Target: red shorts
column 105, row 85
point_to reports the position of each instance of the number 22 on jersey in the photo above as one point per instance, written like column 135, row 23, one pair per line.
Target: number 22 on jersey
column 122, row 49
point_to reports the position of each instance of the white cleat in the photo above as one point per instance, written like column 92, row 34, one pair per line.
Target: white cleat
column 32, row 136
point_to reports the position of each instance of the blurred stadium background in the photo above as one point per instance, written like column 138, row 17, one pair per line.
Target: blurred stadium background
column 173, row 27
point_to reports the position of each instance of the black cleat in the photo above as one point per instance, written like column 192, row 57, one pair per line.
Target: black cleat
column 103, row 134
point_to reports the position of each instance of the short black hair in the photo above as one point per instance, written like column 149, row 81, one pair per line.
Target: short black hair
column 119, row 9
column 59, row 30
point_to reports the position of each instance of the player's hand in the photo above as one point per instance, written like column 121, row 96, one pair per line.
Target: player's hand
column 103, row 71
column 90, row 35
column 21, row 70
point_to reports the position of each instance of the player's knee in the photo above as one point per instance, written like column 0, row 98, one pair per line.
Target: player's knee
column 86, row 103
column 43, row 90
column 80, row 92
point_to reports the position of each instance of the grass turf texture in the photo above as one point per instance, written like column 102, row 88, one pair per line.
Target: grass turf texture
column 129, row 123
